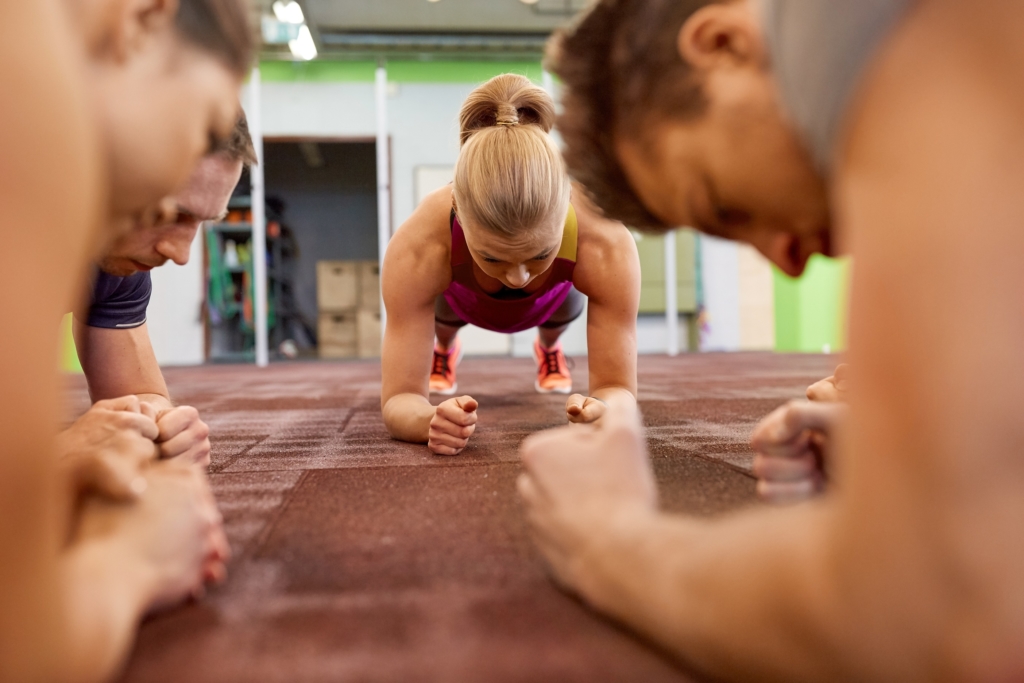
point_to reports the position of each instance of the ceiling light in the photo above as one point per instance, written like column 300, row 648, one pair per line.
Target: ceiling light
column 529, row 2
column 303, row 47
column 278, row 32
column 289, row 12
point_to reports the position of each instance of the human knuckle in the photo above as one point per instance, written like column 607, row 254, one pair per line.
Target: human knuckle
column 759, row 466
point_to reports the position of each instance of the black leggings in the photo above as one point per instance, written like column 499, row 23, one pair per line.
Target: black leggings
column 570, row 309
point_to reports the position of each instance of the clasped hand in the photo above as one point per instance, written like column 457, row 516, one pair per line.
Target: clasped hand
column 104, row 451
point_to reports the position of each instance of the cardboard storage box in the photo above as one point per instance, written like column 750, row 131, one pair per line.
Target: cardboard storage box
column 338, row 334
column 369, row 286
column 369, row 331
column 337, row 285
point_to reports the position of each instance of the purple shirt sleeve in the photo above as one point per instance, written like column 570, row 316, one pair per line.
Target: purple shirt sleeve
column 120, row 302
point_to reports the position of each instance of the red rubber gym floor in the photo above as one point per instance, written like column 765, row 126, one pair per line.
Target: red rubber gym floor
column 362, row 559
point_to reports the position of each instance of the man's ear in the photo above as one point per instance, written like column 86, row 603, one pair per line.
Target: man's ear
column 130, row 23
column 722, row 34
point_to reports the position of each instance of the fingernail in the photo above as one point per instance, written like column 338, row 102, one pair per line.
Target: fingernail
column 138, row 485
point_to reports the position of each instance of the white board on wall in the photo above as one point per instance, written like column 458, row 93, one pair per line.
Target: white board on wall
column 429, row 178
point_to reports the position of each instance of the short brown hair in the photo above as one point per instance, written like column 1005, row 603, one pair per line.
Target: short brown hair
column 238, row 146
column 221, row 27
column 621, row 69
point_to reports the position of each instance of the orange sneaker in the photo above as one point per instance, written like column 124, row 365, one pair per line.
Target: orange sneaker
column 552, row 371
column 442, row 374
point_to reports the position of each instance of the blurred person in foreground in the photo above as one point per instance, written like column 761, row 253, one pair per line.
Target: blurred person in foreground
column 882, row 129
column 119, row 110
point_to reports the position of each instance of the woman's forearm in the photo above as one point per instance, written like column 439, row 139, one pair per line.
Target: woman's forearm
column 407, row 417
column 736, row 598
column 108, row 594
column 605, row 392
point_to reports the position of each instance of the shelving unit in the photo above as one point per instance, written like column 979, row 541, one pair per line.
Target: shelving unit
column 229, row 292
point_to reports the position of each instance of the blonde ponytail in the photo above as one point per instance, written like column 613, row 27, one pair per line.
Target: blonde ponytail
column 510, row 176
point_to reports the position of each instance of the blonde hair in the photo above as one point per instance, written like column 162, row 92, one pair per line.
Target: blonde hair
column 510, row 176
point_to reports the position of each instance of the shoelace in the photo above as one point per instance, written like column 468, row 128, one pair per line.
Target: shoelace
column 440, row 364
column 551, row 360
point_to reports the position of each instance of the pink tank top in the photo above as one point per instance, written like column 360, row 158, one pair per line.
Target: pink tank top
column 509, row 310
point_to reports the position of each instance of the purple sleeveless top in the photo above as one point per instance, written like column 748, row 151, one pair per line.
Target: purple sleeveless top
column 509, row 310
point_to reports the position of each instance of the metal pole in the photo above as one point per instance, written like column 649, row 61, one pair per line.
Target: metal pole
column 671, row 294
column 383, row 175
column 259, row 223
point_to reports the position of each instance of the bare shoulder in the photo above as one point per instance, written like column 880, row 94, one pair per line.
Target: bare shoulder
column 419, row 255
column 607, row 257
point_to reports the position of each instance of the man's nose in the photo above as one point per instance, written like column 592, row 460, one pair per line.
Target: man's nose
column 178, row 246
column 789, row 252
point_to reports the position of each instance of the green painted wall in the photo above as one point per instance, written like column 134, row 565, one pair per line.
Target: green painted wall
column 652, row 272
column 398, row 71
column 810, row 312
column 68, row 354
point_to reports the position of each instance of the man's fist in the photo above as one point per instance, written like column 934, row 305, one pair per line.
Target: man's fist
column 105, row 450
column 183, row 434
column 454, row 422
column 578, row 481
column 582, row 409
column 793, row 446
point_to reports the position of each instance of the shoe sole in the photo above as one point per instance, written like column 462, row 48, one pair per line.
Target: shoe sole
column 557, row 390
column 445, row 392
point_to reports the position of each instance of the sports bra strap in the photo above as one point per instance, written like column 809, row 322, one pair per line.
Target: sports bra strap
column 570, row 237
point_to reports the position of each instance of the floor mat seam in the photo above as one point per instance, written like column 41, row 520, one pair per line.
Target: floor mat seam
column 221, row 469
column 276, row 516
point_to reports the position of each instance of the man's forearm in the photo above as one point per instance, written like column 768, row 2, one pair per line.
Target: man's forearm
column 120, row 363
column 744, row 598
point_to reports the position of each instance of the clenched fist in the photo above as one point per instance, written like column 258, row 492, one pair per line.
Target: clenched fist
column 453, row 423
column 183, row 434
column 793, row 446
column 582, row 409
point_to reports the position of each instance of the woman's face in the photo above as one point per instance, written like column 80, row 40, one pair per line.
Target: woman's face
column 515, row 262
column 160, row 110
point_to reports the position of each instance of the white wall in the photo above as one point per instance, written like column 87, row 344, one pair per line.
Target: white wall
column 174, row 318
column 317, row 109
column 756, row 300
column 423, row 120
column 720, row 274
